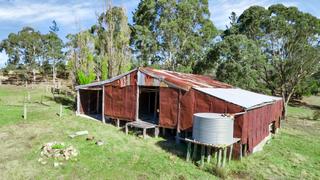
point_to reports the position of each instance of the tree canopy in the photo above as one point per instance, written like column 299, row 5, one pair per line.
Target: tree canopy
column 172, row 34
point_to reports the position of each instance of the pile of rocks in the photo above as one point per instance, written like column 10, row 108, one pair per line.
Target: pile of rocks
column 57, row 151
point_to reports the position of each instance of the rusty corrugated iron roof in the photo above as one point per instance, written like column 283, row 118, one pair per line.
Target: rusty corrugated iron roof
column 173, row 79
column 183, row 80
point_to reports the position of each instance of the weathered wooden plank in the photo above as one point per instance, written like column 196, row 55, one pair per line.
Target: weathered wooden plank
column 188, row 152
column 212, row 145
column 144, row 133
column 156, row 132
column 224, row 150
column 202, row 156
column 219, row 157
column 230, row 153
column 194, row 154
column 209, row 154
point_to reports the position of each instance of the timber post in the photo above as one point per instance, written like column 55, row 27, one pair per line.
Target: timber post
column 97, row 103
column 103, row 92
column 194, row 154
column 188, row 152
column 156, row 132
column 25, row 111
column 137, row 103
column 78, row 102
column 224, row 156
column 208, row 154
column 118, row 123
column 219, row 157
column 178, row 119
column 230, row 153
column 202, row 156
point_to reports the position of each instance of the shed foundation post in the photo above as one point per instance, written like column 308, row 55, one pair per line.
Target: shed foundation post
column 188, row 152
column 194, row 154
column 224, row 150
column 208, row 154
column 202, row 156
column 230, row 153
column 78, row 102
column 103, row 118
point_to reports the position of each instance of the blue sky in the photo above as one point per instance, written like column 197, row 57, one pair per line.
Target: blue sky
column 75, row 15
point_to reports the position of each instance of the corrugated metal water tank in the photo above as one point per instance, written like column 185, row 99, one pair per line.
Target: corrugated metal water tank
column 212, row 128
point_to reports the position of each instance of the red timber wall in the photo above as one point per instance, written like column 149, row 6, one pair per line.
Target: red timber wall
column 120, row 97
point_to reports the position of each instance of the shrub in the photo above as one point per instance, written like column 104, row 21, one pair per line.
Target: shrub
column 316, row 115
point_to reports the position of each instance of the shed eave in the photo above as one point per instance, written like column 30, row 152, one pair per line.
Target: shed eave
column 100, row 83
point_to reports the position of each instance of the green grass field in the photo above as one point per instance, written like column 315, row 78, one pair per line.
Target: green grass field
column 292, row 154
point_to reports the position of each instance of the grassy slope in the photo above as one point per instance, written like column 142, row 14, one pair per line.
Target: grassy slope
column 293, row 153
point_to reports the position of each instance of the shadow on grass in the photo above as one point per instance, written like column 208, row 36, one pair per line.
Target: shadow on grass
column 169, row 144
column 297, row 103
column 65, row 101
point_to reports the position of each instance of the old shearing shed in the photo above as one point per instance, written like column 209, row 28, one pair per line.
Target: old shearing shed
column 169, row 100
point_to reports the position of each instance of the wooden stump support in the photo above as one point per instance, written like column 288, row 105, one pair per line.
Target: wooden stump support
column 220, row 152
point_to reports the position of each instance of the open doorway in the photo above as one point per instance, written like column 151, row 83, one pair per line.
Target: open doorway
column 91, row 102
column 149, row 104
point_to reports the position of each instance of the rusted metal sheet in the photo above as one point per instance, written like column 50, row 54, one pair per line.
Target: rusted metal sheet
column 255, row 123
column 120, row 102
column 168, row 107
column 183, row 80
column 146, row 80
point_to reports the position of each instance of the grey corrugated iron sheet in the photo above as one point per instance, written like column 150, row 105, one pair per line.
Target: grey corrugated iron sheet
column 240, row 97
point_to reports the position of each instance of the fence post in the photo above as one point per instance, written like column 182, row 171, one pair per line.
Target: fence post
column 25, row 111
column 60, row 114
column 29, row 96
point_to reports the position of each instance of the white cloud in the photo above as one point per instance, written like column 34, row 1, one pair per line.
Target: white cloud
column 221, row 9
column 35, row 12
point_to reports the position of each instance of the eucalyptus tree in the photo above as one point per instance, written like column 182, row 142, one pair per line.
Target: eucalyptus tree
column 24, row 49
column 236, row 60
column 172, row 34
column 53, row 49
column 80, row 57
column 289, row 40
column 112, row 46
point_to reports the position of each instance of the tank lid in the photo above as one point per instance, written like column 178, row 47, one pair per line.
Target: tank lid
column 211, row 115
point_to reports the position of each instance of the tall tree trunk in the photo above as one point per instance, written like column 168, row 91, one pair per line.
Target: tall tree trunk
column 286, row 97
column 54, row 73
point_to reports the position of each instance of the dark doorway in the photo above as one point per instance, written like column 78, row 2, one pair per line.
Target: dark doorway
column 149, row 104
column 91, row 101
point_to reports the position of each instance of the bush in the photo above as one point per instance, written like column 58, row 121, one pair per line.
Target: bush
column 316, row 115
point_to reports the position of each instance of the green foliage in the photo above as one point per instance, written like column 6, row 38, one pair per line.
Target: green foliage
column 112, row 36
column 316, row 115
column 289, row 39
column 58, row 146
column 172, row 34
column 276, row 52
column 85, row 79
column 236, row 60
column 81, row 60
column 31, row 50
